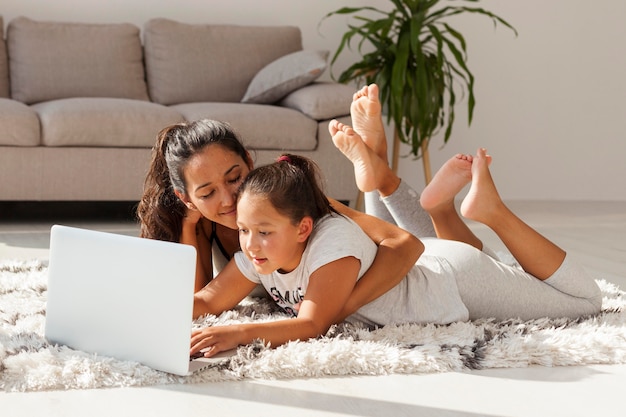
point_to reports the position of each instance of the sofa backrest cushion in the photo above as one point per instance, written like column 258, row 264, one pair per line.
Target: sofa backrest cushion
column 103, row 122
column 55, row 60
column 4, row 64
column 188, row 63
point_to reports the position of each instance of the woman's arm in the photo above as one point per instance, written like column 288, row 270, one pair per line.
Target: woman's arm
column 329, row 288
column 192, row 234
column 223, row 293
column 398, row 250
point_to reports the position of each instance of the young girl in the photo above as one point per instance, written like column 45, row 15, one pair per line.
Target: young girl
column 309, row 258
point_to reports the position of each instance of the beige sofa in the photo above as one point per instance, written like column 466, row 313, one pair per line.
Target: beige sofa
column 81, row 104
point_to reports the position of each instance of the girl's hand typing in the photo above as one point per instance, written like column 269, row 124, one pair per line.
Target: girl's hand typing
column 215, row 339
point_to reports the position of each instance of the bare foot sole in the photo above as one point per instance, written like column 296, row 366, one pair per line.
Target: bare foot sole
column 482, row 201
column 361, row 156
column 455, row 174
column 366, row 114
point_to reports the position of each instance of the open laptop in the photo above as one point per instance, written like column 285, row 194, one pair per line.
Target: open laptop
column 124, row 297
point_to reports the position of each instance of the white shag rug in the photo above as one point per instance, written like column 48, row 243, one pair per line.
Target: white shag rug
column 29, row 363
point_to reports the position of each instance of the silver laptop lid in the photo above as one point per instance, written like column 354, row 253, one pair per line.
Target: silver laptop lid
column 121, row 296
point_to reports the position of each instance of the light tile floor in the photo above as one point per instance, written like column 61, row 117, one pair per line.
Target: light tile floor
column 595, row 232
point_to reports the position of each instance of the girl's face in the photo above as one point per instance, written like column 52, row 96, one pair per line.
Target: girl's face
column 268, row 238
column 212, row 178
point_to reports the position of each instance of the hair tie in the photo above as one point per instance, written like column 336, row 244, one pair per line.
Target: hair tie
column 284, row 158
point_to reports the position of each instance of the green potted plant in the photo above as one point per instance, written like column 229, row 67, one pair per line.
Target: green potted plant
column 418, row 61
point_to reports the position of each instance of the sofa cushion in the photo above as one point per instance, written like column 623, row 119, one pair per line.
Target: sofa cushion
column 321, row 100
column 284, row 75
column 188, row 63
column 50, row 60
column 259, row 126
column 103, row 122
column 19, row 125
column 4, row 64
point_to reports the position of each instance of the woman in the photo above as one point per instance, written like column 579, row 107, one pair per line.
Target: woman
column 189, row 197
column 309, row 258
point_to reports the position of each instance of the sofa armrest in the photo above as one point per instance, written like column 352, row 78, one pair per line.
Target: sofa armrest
column 4, row 64
column 321, row 100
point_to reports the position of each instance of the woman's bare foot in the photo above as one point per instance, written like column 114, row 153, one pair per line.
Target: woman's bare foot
column 367, row 165
column 455, row 174
column 482, row 202
column 366, row 114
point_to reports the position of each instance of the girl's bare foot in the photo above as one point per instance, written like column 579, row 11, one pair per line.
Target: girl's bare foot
column 482, row 202
column 455, row 174
column 366, row 163
column 366, row 114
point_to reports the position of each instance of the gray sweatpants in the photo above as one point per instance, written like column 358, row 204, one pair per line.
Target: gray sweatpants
column 401, row 208
column 491, row 288
column 487, row 286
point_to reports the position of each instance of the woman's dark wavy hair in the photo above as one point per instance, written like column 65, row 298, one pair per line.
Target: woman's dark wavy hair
column 292, row 185
column 160, row 211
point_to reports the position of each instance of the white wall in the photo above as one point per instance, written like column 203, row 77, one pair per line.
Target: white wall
column 551, row 103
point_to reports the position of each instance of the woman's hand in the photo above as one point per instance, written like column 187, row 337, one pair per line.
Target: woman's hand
column 212, row 340
column 192, row 216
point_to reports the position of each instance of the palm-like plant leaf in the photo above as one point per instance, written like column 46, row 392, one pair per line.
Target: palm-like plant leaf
column 418, row 61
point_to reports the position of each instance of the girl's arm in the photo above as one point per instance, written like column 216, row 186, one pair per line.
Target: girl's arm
column 329, row 288
column 398, row 250
column 223, row 293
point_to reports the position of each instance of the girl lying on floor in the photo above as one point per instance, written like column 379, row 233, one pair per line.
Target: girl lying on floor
column 309, row 258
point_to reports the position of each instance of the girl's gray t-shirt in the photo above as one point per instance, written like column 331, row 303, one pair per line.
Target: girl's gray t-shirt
column 428, row 294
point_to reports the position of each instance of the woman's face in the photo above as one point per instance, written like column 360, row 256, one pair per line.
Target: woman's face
column 212, row 178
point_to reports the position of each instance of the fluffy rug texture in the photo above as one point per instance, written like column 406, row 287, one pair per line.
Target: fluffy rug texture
column 29, row 363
